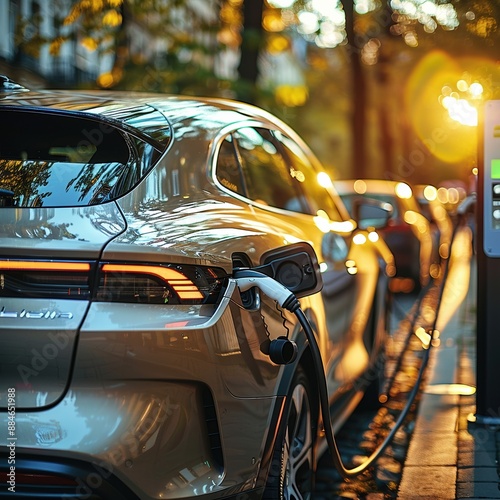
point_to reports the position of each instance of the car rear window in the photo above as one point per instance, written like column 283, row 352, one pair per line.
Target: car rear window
column 53, row 160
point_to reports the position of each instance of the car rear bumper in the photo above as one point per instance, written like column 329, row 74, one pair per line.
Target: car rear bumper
column 76, row 479
column 136, row 440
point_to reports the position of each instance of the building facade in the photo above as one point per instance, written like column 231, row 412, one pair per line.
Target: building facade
column 26, row 29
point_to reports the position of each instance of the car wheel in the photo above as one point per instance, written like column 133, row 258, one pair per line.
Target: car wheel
column 291, row 475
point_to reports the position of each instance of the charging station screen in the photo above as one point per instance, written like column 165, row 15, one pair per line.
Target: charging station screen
column 495, row 169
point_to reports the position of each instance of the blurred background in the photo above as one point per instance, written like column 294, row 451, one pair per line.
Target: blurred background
column 388, row 89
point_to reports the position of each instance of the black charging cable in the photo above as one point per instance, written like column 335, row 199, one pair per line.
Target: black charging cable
column 248, row 278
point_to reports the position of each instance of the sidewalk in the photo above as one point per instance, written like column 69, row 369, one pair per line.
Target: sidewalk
column 448, row 457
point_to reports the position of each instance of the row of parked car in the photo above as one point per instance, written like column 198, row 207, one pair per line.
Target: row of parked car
column 418, row 231
column 136, row 363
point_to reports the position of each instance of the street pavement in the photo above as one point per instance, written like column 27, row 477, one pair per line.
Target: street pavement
column 450, row 456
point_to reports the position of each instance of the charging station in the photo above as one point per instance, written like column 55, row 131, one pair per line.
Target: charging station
column 488, row 268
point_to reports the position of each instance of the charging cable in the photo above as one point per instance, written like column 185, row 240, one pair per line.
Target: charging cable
column 248, row 278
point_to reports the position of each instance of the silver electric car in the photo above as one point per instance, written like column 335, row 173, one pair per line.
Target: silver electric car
column 132, row 362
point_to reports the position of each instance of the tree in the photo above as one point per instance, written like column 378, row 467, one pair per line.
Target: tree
column 251, row 46
column 379, row 44
column 358, row 96
column 182, row 34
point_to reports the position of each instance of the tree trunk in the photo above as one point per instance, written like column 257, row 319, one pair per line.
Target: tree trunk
column 121, row 51
column 252, row 37
column 358, row 97
column 386, row 108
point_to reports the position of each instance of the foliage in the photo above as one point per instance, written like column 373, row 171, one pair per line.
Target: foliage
column 309, row 71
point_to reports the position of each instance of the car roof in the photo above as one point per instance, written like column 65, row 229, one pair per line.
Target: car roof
column 157, row 118
column 119, row 105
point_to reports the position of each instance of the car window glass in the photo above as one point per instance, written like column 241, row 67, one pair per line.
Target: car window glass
column 268, row 176
column 348, row 200
column 317, row 197
column 54, row 160
column 228, row 169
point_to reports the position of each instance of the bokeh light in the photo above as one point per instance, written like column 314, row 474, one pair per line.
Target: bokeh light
column 430, row 193
column 459, row 85
column 462, row 105
column 321, row 22
column 403, row 191
column 281, row 4
column 324, row 180
column 360, row 186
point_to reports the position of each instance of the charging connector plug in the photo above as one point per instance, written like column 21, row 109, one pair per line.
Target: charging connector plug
column 282, row 350
column 248, row 278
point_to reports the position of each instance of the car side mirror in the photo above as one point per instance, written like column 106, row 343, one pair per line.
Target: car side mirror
column 295, row 266
column 373, row 213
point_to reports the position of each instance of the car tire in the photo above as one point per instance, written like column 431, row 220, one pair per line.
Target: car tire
column 291, row 474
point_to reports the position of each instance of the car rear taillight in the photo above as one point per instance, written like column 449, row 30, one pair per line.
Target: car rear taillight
column 39, row 279
column 116, row 282
column 160, row 284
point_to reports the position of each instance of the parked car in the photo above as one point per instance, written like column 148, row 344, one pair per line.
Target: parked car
column 408, row 233
column 137, row 367
column 438, row 217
